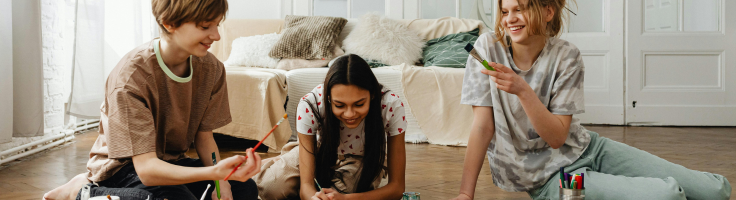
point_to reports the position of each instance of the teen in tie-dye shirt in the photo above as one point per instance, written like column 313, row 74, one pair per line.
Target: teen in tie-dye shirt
column 523, row 119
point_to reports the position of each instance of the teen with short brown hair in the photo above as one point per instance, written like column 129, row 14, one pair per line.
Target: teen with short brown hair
column 161, row 98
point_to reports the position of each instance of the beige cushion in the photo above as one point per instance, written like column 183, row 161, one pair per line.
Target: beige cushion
column 232, row 29
column 434, row 28
column 308, row 37
column 298, row 63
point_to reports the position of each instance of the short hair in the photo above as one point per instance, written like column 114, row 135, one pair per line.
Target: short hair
column 178, row 12
column 533, row 13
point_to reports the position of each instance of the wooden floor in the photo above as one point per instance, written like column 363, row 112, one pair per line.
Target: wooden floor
column 432, row 170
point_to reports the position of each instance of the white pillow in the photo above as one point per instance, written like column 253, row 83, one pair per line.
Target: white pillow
column 253, row 51
column 385, row 40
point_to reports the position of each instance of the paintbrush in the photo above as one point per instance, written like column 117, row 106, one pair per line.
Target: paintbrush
column 259, row 144
column 205, row 192
column 475, row 55
column 320, row 187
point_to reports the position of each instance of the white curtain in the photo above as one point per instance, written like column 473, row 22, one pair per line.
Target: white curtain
column 105, row 32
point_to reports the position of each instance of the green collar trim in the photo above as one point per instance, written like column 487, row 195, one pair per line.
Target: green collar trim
column 166, row 68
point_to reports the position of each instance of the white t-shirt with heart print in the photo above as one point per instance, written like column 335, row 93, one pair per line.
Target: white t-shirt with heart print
column 351, row 140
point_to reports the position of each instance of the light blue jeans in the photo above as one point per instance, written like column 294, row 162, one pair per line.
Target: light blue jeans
column 614, row 170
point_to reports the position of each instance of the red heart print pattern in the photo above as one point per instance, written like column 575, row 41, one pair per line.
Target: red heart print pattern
column 309, row 131
column 319, row 103
column 383, row 106
column 351, row 146
column 299, row 117
column 342, row 150
column 312, row 121
column 307, row 110
column 393, row 94
column 400, row 130
column 402, row 104
column 391, row 109
column 318, row 87
column 357, row 137
column 403, row 118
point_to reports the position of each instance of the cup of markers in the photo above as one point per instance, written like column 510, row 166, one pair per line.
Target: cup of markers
column 571, row 186
column 411, row 196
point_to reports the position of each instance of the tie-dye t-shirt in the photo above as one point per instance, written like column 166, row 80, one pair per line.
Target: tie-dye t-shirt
column 520, row 160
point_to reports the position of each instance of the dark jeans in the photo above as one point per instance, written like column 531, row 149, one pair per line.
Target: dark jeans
column 128, row 186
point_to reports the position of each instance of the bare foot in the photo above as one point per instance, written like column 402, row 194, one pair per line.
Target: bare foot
column 69, row 190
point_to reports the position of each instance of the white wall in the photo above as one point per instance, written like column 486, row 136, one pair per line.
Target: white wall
column 254, row 9
column 6, row 71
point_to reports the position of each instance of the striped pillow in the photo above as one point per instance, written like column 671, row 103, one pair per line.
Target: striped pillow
column 308, row 37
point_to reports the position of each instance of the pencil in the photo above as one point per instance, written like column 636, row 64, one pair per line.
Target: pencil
column 257, row 145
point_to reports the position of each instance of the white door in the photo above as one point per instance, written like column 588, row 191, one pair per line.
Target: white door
column 348, row 8
column 597, row 30
column 680, row 62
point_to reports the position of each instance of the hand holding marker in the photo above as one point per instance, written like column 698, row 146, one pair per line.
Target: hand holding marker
column 257, row 145
column 475, row 55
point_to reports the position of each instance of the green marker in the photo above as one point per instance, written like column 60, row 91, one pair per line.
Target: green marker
column 217, row 183
column 320, row 187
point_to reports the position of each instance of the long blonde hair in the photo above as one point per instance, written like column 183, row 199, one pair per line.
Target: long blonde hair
column 534, row 15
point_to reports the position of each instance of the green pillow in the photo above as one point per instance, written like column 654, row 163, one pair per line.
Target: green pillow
column 375, row 63
column 449, row 50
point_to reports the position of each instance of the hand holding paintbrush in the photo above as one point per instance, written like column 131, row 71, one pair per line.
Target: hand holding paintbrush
column 256, row 147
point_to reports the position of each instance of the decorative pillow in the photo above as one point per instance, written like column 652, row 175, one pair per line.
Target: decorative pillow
column 297, row 63
column 385, row 40
column 352, row 22
column 252, row 51
column 308, row 37
column 449, row 50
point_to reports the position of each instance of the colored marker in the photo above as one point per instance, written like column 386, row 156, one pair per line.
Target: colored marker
column 562, row 177
column 217, row 183
column 582, row 180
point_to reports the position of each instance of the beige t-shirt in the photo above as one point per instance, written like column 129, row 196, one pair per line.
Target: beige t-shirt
column 149, row 109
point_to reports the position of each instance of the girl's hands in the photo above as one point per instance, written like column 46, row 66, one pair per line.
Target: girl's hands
column 507, row 80
column 328, row 194
column 250, row 167
column 321, row 195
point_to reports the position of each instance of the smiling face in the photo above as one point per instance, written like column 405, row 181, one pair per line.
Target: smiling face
column 195, row 38
column 515, row 21
column 350, row 104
